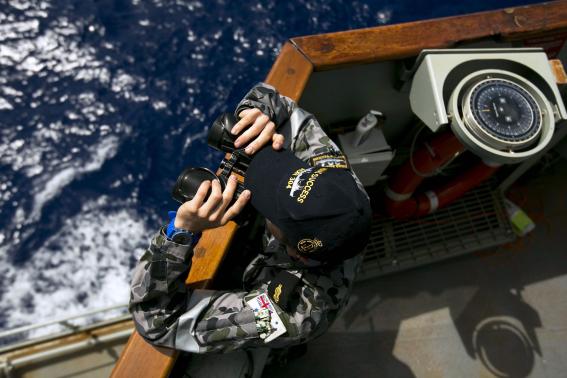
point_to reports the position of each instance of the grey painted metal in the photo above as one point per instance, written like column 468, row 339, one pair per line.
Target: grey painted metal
column 65, row 328
column 342, row 97
column 475, row 222
column 560, row 134
column 9, row 367
column 61, row 321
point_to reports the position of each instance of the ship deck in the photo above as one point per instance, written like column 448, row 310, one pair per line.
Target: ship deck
column 501, row 312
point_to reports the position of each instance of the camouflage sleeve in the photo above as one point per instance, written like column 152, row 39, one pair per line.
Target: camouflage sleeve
column 167, row 313
column 269, row 101
column 311, row 144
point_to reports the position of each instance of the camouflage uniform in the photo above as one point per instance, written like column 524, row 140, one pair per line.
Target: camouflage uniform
column 167, row 313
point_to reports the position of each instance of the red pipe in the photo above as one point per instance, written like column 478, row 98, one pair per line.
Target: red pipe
column 401, row 200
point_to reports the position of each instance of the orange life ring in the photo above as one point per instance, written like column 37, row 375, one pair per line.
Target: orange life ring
column 401, row 199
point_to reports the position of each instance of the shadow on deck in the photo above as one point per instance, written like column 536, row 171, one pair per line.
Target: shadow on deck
column 501, row 312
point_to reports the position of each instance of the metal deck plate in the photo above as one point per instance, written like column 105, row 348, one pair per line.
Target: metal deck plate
column 475, row 222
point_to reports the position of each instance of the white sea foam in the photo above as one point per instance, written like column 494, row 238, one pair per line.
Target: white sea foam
column 55, row 50
column 384, row 16
column 9, row 91
column 84, row 266
column 58, row 181
column 17, row 29
column 5, row 105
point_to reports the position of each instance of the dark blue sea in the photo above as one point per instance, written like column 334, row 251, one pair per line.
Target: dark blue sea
column 102, row 103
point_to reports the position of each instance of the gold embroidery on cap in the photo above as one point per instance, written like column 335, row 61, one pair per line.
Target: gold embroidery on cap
column 277, row 293
column 309, row 245
column 309, row 184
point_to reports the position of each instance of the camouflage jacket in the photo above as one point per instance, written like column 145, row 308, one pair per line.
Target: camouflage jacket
column 167, row 313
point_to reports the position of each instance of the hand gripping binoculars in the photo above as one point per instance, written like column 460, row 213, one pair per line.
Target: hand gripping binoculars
column 220, row 138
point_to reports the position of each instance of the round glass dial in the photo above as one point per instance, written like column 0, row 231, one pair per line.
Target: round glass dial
column 505, row 110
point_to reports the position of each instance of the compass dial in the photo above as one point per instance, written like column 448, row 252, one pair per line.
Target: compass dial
column 505, row 111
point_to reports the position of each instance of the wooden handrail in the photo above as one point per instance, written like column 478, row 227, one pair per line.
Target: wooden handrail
column 141, row 359
column 329, row 51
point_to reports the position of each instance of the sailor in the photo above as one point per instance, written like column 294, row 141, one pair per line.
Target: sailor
column 317, row 223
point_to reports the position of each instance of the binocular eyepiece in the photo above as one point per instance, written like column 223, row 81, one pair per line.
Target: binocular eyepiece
column 220, row 138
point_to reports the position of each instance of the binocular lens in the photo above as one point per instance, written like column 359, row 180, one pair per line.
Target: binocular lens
column 189, row 181
column 220, row 136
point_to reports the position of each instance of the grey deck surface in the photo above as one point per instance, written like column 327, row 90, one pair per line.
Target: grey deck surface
column 502, row 312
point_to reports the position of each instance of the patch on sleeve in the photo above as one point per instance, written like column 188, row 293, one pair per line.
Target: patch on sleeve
column 281, row 289
column 268, row 323
column 330, row 160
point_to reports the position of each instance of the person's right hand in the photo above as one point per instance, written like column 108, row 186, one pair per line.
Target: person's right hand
column 260, row 131
column 198, row 215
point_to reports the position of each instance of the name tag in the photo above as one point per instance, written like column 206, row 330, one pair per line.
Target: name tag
column 259, row 305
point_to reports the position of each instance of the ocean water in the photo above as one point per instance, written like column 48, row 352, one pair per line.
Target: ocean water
column 102, row 103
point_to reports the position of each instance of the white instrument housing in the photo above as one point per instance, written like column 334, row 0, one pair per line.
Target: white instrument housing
column 445, row 92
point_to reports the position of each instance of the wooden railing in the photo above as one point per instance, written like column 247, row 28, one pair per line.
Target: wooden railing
column 290, row 73
column 330, row 51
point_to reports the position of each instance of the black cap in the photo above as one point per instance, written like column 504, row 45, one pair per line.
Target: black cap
column 321, row 211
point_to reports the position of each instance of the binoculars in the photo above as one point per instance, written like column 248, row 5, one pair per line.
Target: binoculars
column 220, row 138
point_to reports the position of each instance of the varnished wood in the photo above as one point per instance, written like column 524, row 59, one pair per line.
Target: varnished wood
column 290, row 72
column 140, row 359
column 333, row 50
column 209, row 254
column 558, row 71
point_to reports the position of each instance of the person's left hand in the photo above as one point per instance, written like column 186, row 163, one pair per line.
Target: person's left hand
column 198, row 215
column 259, row 127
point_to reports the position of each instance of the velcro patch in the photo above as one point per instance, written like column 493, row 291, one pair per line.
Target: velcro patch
column 281, row 289
column 329, row 160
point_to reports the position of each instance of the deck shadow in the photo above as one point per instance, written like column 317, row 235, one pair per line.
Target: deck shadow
column 479, row 314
